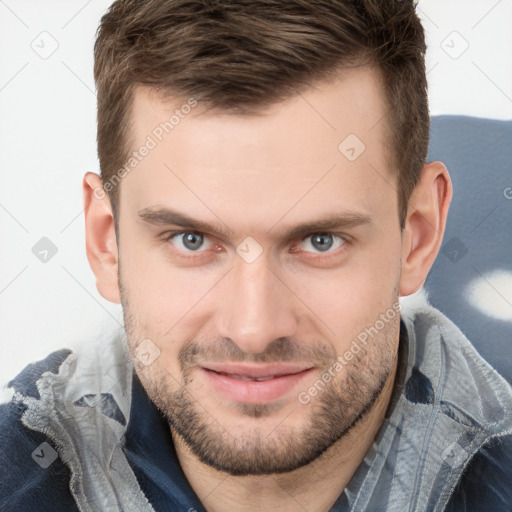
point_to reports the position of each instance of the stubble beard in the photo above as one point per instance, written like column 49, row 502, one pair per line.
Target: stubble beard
column 336, row 409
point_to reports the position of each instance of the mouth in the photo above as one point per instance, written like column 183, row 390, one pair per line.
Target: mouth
column 244, row 377
column 255, row 384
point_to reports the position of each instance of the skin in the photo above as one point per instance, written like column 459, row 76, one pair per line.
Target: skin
column 260, row 176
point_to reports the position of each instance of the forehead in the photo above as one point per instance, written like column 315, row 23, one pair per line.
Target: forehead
column 353, row 101
column 332, row 137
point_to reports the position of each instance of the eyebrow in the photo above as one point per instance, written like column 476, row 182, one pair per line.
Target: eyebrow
column 165, row 216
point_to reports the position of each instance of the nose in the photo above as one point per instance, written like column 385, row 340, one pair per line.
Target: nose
column 258, row 307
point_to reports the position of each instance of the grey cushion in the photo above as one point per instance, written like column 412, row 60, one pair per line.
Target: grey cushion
column 478, row 238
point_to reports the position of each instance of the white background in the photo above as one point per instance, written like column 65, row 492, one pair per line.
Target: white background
column 47, row 134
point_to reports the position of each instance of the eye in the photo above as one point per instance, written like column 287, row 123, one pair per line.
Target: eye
column 321, row 242
column 189, row 241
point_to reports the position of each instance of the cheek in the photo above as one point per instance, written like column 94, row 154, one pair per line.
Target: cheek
column 166, row 303
column 152, row 306
column 351, row 297
column 157, row 290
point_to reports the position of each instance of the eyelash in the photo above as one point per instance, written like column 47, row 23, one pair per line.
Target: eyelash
column 168, row 236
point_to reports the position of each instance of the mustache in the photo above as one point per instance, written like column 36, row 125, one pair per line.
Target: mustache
column 279, row 350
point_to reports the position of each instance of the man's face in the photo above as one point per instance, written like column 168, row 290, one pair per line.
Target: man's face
column 245, row 308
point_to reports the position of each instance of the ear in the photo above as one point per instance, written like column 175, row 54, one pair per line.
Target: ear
column 424, row 226
column 101, row 243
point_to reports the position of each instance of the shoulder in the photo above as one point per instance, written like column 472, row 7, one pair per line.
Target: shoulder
column 486, row 483
column 473, row 406
column 34, row 478
column 462, row 372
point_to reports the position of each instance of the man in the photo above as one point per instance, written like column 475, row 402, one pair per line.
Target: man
column 264, row 201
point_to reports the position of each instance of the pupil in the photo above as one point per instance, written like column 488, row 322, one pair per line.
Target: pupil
column 322, row 242
column 192, row 240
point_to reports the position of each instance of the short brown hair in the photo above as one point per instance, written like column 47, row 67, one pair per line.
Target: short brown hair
column 244, row 55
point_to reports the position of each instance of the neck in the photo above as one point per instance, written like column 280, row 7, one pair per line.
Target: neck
column 314, row 487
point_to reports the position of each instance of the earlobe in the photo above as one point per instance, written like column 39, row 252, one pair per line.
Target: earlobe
column 101, row 243
column 424, row 226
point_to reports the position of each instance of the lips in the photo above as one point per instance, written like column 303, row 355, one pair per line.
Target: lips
column 255, row 384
